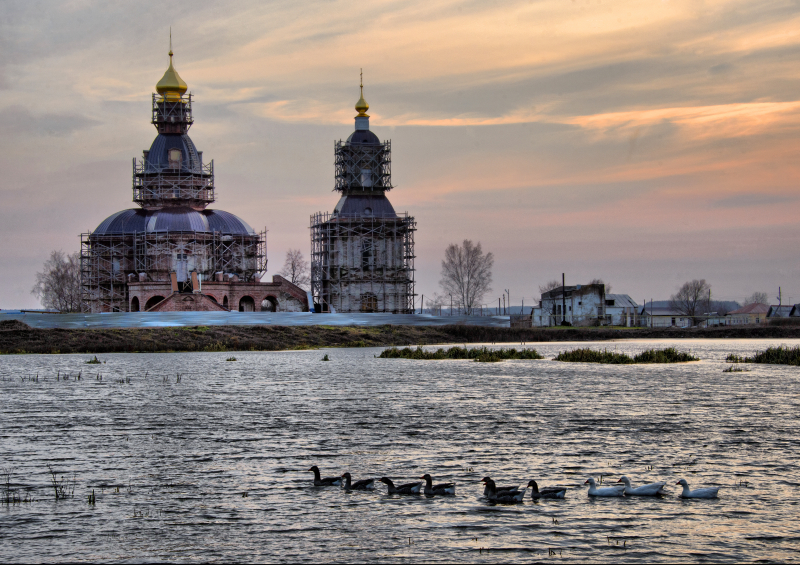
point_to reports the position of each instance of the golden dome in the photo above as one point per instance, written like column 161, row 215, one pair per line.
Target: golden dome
column 361, row 105
column 171, row 85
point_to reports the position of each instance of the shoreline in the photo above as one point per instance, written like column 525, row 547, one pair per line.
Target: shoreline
column 18, row 338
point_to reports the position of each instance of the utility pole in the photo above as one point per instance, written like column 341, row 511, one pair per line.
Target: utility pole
column 422, row 305
column 451, row 304
column 498, row 306
column 780, row 298
column 651, row 313
column 563, row 299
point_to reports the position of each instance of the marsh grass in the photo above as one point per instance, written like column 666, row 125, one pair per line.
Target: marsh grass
column 94, row 361
column 735, row 369
column 587, row 355
column 62, row 488
column 781, row 355
column 479, row 354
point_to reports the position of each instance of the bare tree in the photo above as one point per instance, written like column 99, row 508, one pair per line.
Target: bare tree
column 600, row 281
column 435, row 304
column 722, row 307
column 295, row 268
column 692, row 299
column 757, row 298
column 466, row 274
column 548, row 286
column 58, row 286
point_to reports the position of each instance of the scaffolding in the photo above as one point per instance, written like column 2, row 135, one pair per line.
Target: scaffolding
column 363, row 166
column 153, row 189
column 363, row 263
column 110, row 261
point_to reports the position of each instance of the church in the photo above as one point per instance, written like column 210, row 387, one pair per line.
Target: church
column 173, row 253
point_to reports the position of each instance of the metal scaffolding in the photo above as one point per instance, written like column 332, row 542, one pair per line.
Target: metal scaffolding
column 363, row 263
column 363, row 166
column 109, row 261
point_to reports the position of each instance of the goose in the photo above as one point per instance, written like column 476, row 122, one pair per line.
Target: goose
column 327, row 481
column 547, row 492
column 503, row 496
column 441, row 489
column 653, row 489
column 607, row 491
column 709, row 492
column 365, row 484
column 408, row 488
column 496, row 488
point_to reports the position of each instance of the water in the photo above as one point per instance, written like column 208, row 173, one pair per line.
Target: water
column 182, row 454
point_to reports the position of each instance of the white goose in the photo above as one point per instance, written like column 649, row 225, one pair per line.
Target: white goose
column 709, row 492
column 606, row 491
column 653, row 489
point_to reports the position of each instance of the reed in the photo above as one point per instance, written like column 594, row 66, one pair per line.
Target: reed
column 781, row 355
column 326, row 358
column 479, row 354
column 62, row 488
column 587, row 355
column 735, row 369
column 231, row 359
column 668, row 355
column 94, row 361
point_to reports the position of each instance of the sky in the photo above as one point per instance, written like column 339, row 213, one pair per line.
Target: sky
column 642, row 143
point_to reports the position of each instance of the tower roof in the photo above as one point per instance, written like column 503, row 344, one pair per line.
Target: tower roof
column 171, row 85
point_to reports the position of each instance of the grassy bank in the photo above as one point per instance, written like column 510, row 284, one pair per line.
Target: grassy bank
column 480, row 354
column 773, row 355
column 16, row 337
column 586, row 355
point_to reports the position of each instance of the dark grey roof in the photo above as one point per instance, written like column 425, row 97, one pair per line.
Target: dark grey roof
column 366, row 205
column 363, row 136
column 158, row 158
column 173, row 219
column 225, row 222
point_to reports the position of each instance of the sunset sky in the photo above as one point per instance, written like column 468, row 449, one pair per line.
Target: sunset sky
column 642, row 142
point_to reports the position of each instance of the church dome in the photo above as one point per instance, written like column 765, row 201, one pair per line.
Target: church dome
column 159, row 157
column 173, row 219
column 171, row 85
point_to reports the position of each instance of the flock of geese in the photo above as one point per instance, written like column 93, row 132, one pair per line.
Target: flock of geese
column 510, row 494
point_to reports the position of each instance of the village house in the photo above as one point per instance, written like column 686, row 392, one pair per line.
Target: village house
column 750, row 314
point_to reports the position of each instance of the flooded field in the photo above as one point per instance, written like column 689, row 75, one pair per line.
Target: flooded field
column 195, row 458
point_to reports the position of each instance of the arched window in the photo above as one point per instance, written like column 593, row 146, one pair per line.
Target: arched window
column 135, row 304
column 174, row 158
column 366, row 255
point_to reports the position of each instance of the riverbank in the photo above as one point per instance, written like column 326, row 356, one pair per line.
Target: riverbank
column 18, row 338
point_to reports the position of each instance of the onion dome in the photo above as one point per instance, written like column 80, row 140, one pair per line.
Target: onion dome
column 171, row 85
column 361, row 105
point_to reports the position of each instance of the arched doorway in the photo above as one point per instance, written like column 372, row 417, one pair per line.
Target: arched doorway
column 152, row 302
column 369, row 302
column 135, row 304
column 269, row 304
column 247, row 304
column 225, row 303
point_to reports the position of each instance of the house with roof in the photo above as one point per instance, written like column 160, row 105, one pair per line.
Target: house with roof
column 663, row 317
column 780, row 311
column 750, row 314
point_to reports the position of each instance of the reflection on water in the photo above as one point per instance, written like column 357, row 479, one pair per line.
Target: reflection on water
column 182, row 455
